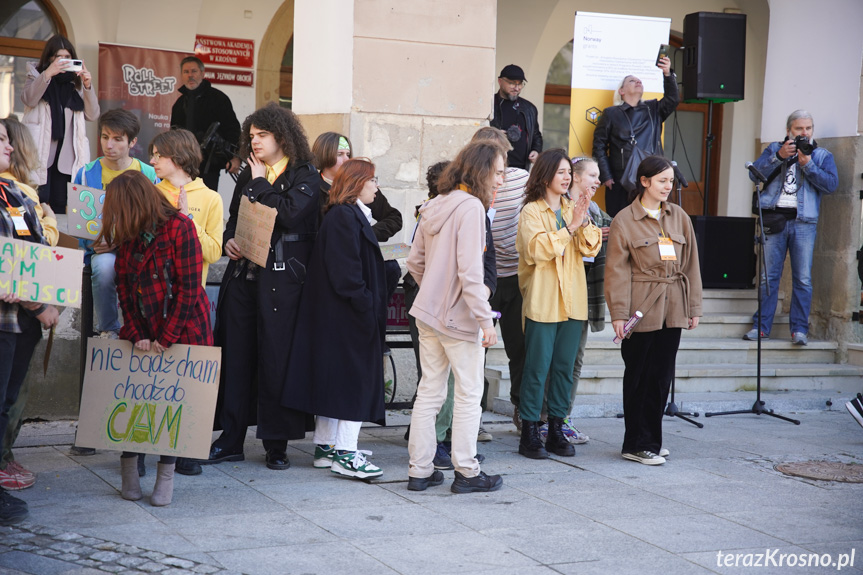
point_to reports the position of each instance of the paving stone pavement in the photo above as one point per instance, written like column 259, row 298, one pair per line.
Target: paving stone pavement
column 595, row 513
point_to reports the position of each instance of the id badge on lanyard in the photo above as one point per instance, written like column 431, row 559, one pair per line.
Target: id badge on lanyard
column 18, row 221
column 666, row 250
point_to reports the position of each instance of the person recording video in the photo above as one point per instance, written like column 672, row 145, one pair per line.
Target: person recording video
column 197, row 109
column 797, row 173
column 629, row 123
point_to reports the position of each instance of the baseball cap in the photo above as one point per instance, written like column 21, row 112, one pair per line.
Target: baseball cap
column 512, row 72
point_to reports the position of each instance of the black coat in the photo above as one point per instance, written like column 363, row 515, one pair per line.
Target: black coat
column 297, row 196
column 196, row 109
column 336, row 368
column 612, row 145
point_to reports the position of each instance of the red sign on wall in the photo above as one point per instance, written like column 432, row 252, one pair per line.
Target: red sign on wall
column 225, row 51
column 229, row 77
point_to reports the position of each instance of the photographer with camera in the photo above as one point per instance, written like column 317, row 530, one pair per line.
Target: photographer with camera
column 798, row 172
column 197, row 109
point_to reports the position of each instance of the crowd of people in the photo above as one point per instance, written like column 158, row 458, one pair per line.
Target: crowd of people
column 492, row 242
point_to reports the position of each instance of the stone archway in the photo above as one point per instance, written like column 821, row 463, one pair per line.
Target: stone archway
column 272, row 51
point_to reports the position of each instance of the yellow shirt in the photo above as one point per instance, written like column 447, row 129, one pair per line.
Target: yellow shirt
column 550, row 266
column 108, row 174
column 49, row 223
column 206, row 212
column 276, row 171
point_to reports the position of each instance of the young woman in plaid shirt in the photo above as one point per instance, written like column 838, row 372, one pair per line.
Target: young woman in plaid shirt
column 159, row 266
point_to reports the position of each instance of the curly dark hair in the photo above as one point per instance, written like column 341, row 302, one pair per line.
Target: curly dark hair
column 542, row 174
column 285, row 128
column 433, row 175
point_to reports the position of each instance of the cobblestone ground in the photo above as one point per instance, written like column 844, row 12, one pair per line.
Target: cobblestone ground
column 57, row 551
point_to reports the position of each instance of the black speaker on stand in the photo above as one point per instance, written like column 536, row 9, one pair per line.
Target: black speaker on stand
column 726, row 251
column 714, row 68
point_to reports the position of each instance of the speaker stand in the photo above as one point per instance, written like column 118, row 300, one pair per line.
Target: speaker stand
column 708, row 141
column 671, row 410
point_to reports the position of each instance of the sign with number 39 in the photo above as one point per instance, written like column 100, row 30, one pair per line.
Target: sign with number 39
column 84, row 211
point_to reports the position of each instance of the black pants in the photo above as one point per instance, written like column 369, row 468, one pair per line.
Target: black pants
column 507, row 300
column 54, row 190
column 16, row 350
column 650, row 358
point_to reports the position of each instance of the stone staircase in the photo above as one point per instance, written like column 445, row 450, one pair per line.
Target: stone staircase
column 712, row 359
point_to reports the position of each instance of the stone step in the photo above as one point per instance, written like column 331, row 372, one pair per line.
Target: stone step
column 730, row 325
column 703, row 378
column 786, row 403
column 601, row 351
column 732, row 301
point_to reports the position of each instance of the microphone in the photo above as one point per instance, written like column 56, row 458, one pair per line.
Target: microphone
column 679, row 175
column 755, row 173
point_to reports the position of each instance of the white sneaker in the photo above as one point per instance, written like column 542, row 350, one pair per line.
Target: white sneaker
column 664, row 452
column 855, row 408
column 355, row 464
column 645, row 457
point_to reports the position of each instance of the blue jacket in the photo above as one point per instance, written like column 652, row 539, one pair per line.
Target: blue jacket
column 91, row 174
column 817, row 177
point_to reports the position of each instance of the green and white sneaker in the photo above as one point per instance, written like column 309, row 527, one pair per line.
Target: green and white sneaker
column 355, row 464
column 324, row 456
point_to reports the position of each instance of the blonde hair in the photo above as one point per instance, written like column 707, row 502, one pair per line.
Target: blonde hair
column 24, row 160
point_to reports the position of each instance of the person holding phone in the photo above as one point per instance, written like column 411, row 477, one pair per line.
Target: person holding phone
column 629, row 123
column 57, row 101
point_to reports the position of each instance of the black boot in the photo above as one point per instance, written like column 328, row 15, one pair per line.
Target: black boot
column 531, row 444
column 556, row 442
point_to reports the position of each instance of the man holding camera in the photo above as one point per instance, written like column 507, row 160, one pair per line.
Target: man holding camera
column 798, row 173
column 199, row 106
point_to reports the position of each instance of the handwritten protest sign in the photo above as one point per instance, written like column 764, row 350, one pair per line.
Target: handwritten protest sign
column 148, row 402
column 40, row 273
column 255, row 224
column 84, row 211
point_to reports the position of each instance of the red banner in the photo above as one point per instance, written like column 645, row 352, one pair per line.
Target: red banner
column 144, row 81
column 229, row 77
column 225, row 51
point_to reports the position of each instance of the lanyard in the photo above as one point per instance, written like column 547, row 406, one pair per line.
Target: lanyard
column 3, row 188
column 662, row 233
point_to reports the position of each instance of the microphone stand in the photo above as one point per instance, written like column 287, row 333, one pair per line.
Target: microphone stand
column 759, row 407
column 671, row 409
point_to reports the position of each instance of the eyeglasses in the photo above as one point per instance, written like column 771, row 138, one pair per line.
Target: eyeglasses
column 156, row 156
column 515, row 83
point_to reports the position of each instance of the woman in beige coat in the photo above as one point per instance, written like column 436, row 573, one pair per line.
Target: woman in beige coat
column 651, row 267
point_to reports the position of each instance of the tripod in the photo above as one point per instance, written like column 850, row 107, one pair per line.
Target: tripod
column 759, row 407
column 672, row 411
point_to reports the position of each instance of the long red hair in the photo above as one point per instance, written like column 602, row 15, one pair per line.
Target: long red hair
column 132, row 205
column 349, row 181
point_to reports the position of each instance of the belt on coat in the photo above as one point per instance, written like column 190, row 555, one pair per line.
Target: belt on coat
column 658, row 290
column 279, row 259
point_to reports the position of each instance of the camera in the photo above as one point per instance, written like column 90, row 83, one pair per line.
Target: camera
column 803, row 145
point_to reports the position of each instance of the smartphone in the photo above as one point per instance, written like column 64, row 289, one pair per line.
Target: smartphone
column 73, row 65
column 664, row 49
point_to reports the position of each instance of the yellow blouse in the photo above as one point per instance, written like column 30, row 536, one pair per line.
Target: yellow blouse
column 550, row 266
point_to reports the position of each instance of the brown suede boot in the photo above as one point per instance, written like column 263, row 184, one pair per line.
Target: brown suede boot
column 163, row 491
column 131, row 487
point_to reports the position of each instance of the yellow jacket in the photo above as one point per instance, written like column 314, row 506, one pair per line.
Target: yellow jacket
column 206, row 212
column 49, row 224
column 550, row 266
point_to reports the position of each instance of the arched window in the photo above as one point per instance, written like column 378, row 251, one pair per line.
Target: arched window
column 25, row 26
column 686, row 131
column 286, row 76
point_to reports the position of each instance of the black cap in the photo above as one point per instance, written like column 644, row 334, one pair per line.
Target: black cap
column 512, row 72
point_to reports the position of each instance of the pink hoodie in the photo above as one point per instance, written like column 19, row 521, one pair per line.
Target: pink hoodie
column 446, row 260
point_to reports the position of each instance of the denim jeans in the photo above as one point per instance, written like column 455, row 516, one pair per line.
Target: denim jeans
column 798, row 239
column 104, row 280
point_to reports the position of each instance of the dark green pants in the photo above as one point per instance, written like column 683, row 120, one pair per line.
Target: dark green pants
column 550, row 350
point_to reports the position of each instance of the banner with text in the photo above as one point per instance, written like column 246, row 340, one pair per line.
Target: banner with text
column 144, row 81
column 40, row 273
column 605, row 49
column 149, row 402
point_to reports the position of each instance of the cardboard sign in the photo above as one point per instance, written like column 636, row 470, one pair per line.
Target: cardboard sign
column 255, row 224
column 40, row 273
column 225, row 51
column 84, row 211
column 148, row 402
